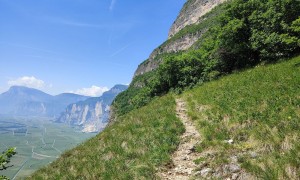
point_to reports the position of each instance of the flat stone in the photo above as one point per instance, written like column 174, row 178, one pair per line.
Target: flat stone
column 253, row 155
column 205, row 172
column 198, row 173
column 234, row 159
column 235, row 176
column 233, row 168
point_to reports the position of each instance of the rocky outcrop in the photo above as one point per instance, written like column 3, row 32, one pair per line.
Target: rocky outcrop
column 92, row 114
column 91, row 117
column 190, row 14
column 154, row 60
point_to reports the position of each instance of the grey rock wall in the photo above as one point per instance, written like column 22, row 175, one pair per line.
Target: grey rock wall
column 190, row 14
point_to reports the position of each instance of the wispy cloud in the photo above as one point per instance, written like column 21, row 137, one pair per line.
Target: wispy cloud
column 57, row 59
column 94, row 91
column 28, row 81
column 75, row 23
column 80, row 24
column 112, row 5
column 28, row 47
column 120, row 50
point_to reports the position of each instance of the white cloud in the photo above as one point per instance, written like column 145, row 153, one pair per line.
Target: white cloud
column 28, row 81
column 93, row 91
column 112, row 5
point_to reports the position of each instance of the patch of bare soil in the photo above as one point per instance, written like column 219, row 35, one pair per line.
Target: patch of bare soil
column 182, row 165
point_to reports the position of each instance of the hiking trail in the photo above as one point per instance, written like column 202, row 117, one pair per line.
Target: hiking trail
column 182, row 165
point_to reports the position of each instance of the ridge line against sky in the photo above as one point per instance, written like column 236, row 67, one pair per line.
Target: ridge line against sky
column 79, row 46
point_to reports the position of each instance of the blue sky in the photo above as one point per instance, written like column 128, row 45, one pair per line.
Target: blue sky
column 81, row 46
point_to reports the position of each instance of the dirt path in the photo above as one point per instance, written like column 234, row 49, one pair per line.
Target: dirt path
column 183, row 158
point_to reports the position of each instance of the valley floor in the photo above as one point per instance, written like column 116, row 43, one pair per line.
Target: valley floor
column 38, row 142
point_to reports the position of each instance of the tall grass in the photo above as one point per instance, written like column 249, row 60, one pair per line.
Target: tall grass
column 260, row 110
column 131, row 148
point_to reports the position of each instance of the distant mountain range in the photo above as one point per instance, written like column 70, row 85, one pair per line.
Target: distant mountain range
column 88, row 113
column 91, row 115
column 24, row 101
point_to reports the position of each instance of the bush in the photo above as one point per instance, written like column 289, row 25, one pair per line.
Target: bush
column 5, row 158
column 247, row 33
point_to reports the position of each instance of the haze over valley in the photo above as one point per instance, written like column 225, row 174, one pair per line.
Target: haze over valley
column 61, row 69
column 185, row 89
column 38, row 142
column 41, row 126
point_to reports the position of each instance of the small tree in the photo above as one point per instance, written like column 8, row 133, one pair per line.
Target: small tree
column 4, row 159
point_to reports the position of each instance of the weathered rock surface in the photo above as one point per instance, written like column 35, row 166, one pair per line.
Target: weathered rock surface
column 92, row 114
column 190, row 14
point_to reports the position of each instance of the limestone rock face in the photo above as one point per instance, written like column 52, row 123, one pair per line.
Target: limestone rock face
column 153, row 62
column 92, row 114
column 190, row 14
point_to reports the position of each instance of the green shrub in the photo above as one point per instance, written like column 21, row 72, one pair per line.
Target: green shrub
column 4, row 159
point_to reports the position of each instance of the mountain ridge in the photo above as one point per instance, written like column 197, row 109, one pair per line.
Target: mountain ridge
column 245, row 110
column 25, row 101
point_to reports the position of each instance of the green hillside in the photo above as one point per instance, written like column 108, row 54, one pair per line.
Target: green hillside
column 131, row 148
column 258, row 109
column 242, row 90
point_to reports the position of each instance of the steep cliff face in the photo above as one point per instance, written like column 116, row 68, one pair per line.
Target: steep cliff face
column 183, row 43
column 192, row 13
column 92, row 114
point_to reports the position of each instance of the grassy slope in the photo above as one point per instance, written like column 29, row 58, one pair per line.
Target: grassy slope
column 131, row 148
column 260, row 110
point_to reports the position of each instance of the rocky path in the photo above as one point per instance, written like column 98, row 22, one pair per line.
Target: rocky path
column 183, row 158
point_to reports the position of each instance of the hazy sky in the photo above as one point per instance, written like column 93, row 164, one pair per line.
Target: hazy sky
column 82, row 46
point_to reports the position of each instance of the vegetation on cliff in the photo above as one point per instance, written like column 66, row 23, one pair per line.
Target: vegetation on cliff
column 251, row 115
column 241, row 35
